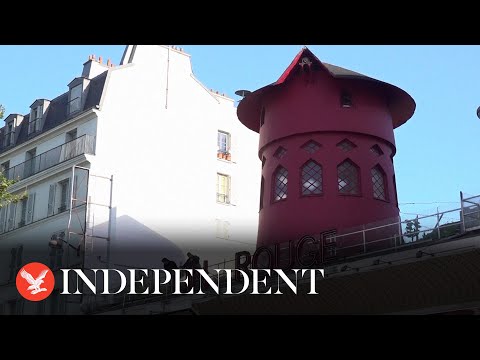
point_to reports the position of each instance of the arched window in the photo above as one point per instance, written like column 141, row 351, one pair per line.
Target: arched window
column 311, row 178
column 280, row 184
column 348, row 178
column 378, row 182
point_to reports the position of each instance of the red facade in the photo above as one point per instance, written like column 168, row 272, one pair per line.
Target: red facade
column 327, row 147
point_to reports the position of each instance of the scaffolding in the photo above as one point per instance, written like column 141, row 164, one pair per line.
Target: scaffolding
column 90, row 213
column 470, row 212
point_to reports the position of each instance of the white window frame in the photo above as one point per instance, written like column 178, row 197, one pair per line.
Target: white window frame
column 35, row 119
column 228, row 191
column 77, row 100
column 9, row 134
column 227, row 142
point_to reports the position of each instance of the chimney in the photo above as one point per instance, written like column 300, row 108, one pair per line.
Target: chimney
column 93, row 67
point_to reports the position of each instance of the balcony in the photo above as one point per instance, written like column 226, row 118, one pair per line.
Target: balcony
column 82, row 145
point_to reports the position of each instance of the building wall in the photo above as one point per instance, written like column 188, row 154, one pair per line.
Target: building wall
column 34, row 237
column 161, row 147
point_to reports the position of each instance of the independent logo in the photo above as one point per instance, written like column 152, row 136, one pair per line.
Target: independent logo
column 35, row 281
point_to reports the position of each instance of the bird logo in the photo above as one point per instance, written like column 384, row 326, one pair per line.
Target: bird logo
column 38, row 288
column 34, row 283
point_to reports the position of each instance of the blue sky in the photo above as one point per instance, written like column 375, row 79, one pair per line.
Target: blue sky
column 437, row 149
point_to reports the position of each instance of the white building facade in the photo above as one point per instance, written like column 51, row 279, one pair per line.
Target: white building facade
column 141, row 156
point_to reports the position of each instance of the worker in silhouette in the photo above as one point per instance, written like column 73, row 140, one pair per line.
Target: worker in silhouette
column 193, row 262
column 170, row 265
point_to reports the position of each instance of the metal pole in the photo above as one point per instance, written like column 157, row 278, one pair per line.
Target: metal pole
column 87, row 206
column 85, row 229
column 70, row 216
column 364, row 241
column 110, row 223
column 399, row 231
column 417, row 228
column 438, row 224
column 462, row 214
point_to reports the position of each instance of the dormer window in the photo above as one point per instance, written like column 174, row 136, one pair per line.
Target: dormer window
column 9, row 134
column 75, row 99
column 346, row 99
column 35, row 119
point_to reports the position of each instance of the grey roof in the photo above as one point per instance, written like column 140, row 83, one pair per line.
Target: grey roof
column 341, row 72
column 57, row 112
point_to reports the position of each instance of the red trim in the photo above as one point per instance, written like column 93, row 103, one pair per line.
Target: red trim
column 296, row 60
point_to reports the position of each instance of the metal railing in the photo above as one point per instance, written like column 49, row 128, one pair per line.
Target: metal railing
column 470, row 212
column 82, row 145
column 379, row 236
column 393, row 233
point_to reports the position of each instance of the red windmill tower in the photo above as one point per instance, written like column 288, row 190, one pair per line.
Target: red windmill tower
column 327, row 148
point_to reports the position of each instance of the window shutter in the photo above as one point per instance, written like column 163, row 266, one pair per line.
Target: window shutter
column 30, row 208
column 51, row 199
column 3, row 215
column 11, row 216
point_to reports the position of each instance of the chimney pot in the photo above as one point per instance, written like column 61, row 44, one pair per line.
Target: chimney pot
column 109, row 62
column 93, row 56
column 100, row 59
